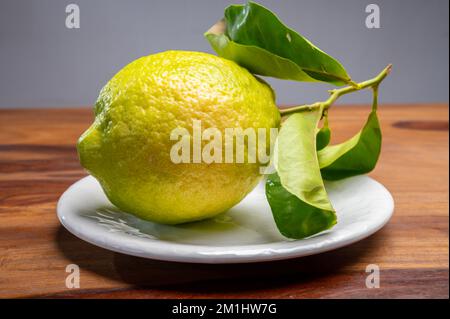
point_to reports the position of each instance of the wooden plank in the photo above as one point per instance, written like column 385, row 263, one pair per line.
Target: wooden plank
column 38, row 161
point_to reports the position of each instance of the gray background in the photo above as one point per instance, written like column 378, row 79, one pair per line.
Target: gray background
column 44, row 64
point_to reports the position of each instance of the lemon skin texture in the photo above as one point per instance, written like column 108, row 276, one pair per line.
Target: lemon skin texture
column 127, row 148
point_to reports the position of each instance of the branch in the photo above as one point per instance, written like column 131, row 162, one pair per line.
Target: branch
column 336, row 93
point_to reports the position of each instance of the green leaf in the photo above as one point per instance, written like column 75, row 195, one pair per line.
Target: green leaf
column 296, row 193
column 356, row 156
column 323, row 136
column 296, row 159
column 255, row 38
column 293, row 217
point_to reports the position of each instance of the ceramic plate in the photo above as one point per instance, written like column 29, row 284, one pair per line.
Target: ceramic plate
column 246, row 233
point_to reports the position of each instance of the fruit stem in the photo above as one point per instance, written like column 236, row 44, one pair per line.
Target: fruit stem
column 336, row 93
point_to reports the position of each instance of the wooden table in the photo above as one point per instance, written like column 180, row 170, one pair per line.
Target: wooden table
column 38, row 162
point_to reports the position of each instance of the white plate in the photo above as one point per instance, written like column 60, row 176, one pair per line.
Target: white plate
column 246, row 233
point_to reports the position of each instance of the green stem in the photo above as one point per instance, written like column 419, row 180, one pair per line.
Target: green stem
column 375, row 97
column 336, row 93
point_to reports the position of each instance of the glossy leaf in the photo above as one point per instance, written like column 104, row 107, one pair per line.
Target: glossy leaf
column 255, row 38
column 293, row 217
column 296, row 193
column 323, row 136
column 296, row 159
column 356, row 156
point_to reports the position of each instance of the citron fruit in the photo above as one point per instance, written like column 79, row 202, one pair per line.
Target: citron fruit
column 127, row 148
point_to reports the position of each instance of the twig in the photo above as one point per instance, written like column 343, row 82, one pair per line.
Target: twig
column 336, row 93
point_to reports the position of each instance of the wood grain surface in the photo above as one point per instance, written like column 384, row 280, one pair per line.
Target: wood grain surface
column 38, row 162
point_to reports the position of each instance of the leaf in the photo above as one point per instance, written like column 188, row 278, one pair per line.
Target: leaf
column 296, row 193
column 323, row 136
column 296, row 159
column 255, row 38
column 356, row 156
column 293, row 217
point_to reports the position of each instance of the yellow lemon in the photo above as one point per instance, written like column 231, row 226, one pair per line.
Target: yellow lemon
column 128, row 146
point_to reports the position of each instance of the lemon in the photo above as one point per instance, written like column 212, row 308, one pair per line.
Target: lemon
column 127, row 148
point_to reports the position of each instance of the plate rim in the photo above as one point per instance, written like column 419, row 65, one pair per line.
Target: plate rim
column 173, row 251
